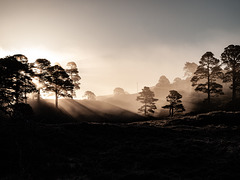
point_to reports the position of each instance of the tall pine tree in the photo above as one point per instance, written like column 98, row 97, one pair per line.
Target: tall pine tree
column 59, row 82
column 175, row 103
column 73, row 73
column 15, row 83
column 206, row 75
column 147, row 98
column 40, row 68
column 231, row 59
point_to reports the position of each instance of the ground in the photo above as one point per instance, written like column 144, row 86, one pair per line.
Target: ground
column 196, row 147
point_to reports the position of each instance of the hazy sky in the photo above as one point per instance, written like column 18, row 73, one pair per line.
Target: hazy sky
column 117, row 43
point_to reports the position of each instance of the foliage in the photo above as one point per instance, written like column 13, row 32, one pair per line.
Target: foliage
column 147, row 98
column 59, row 82
column 89, row 95
column 16, row 81
column 231, row 59
column 206, row 75
column 40, row 68
column 118, row 91
column 73, row 73
column 163, row 82
column 175, row 103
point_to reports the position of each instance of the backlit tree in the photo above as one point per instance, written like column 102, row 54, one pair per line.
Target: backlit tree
column 175, row 103
column 206, row 75
column 147, row 98
column 73, row 73
column 58, row 81
column 40, row 68
column 89, row 95
column 231, row 59
column 16, row 82
column 118, row 91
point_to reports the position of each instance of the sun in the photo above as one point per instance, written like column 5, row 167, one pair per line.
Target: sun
column 33, row 53
column 39, row 53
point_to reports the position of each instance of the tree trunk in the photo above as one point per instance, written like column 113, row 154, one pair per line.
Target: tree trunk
column 145, row 110
column 25, row 98
column 171, row 111
column 234, row 85
column 208, row 88
column 25, row 95
column 38, row 96
column 56, row 98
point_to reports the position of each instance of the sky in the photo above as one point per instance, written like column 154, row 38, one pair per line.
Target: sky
column 119, row 43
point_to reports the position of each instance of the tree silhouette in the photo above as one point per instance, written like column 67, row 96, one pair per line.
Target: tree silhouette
column 26, row 76
column 118, row 91
column 40, row 68
column 73, row 73
column 163, row 82
column 231, row 58
column 22, row 58
column 6, row 98
column 206, row 75
column 59, row 82
column 15, row 83
column 175, row 103
column 89, row 95
column 147, row 98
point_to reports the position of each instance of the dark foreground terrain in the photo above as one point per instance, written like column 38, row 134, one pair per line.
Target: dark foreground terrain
column 198, row 147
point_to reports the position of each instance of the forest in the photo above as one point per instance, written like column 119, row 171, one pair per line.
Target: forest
column 182, row 130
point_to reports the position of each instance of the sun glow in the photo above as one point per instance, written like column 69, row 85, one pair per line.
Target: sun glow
column 33, row 53
column 37, row 53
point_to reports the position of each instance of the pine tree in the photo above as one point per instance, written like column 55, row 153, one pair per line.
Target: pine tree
column 206, row 75
column 175, row 103
column 15, row 81
column 59, row 82
column 231, row 58
column 147, row 98
column 40, row 68
column 73, row 73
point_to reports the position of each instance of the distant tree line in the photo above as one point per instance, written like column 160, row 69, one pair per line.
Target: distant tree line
column 18, row 78
column 207, row 77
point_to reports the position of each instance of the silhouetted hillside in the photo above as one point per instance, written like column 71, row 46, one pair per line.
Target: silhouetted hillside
column 82, row 110
column 205, row 146
column 45, row 112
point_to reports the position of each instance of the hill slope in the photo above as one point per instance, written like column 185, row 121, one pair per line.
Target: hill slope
column 85, row 110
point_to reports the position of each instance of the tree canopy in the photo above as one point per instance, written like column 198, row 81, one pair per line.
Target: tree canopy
column 175, row 103
column 73, row 73
column 40, row 68
column 59, row 82
column 147, row 98
column 89, row 95
column 231, row 59
column 16, row 81
column 163, row 82
column 206, row 75
column 118, row 91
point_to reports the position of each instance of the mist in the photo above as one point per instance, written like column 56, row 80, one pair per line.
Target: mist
column 110, row 89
